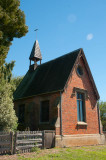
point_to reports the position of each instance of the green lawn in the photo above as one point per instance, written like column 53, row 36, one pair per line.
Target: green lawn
column 72, row 153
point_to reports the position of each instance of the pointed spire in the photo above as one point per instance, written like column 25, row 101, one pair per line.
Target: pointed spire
column 35, row 53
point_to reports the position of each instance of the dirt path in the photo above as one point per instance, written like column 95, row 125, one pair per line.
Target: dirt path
column 41, row 153
column 30, row 155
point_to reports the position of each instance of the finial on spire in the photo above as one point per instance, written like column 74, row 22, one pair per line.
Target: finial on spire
column 36, row 33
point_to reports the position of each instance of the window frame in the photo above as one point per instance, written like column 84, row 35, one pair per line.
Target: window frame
column 86, row 97
column 19, row 106
column 40, row 121
column 79, row 67
column 81, row 113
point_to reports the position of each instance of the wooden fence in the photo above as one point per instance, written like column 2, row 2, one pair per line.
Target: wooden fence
column 24, row 141
column 104, row 132
column 49, row 139
column 6, row 143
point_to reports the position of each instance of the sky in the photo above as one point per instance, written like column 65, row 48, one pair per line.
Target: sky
column 64, row 26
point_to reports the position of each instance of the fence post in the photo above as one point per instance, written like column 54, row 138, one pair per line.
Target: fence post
column 43, row 139
column 11, row 142
column 15, row 140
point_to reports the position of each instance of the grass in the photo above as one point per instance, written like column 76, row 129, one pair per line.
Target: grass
column 72, row 153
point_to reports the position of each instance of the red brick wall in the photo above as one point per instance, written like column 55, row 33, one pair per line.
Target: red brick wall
column 36, row 115
column 69, row 105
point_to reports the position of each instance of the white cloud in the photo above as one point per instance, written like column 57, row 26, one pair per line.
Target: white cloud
column 89, row 36
column 72, row 18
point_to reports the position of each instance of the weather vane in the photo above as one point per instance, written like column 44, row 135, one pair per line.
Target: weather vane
column 36, row 33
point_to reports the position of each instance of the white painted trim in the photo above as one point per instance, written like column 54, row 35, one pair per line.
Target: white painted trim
column 81, row 123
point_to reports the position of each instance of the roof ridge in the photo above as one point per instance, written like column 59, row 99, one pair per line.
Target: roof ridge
column 59, row 57
column 47, row 77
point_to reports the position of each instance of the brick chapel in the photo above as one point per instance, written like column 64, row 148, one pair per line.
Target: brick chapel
column 60, row 95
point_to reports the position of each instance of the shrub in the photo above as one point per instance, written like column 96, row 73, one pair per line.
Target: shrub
column 8, row 119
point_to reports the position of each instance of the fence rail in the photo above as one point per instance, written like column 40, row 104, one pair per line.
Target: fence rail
column 24, row 141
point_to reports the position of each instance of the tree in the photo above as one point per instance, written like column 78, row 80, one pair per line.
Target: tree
column 12, row 25
column 102, row 107
column 6, row 71
column 15, row 81
column 6, row 74
column 8, row 119
column 8, row 84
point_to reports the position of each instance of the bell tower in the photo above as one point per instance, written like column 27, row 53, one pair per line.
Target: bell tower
column 35, row 56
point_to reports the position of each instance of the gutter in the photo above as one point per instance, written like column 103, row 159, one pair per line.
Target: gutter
column 40, row 94
column 99, row 118
column 61, row 131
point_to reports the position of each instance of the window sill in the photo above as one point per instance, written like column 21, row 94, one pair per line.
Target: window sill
column 82, row 123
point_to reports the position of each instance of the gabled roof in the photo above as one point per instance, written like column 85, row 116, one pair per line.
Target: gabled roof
column 51, row 76
column 47, row 77
column 35, row 53
column 90, row 75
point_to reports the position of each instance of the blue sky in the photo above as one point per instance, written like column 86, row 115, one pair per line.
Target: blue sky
column 64, row 26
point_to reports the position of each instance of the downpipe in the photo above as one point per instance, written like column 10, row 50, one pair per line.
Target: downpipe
column 61, row 131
